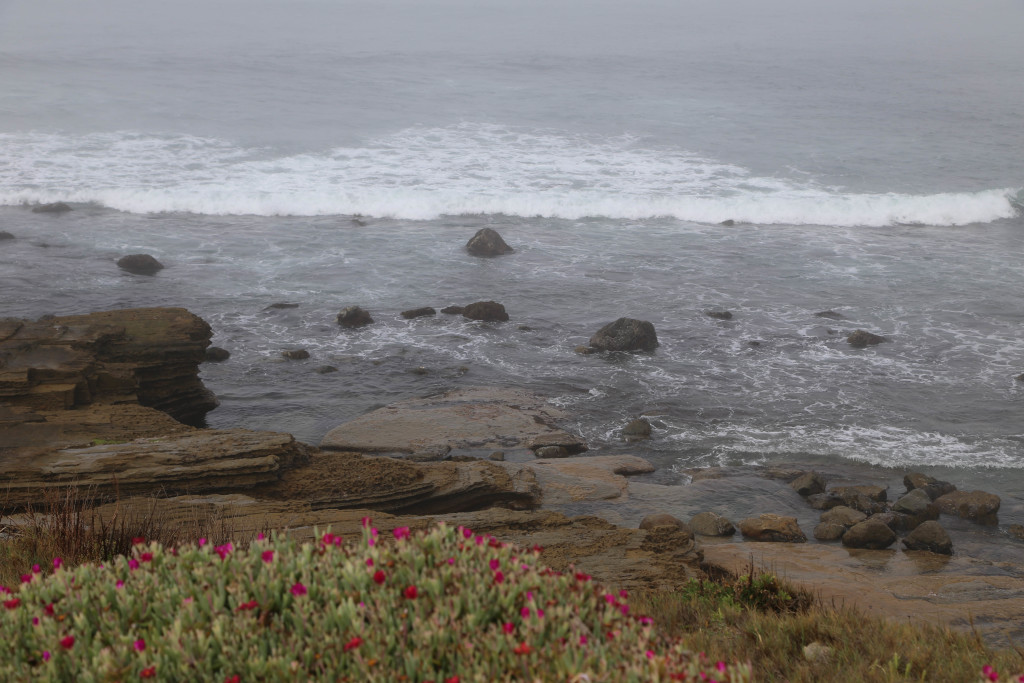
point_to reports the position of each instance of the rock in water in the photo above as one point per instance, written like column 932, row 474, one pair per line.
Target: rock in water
column 354, row 316
column 929, row 536
column 711, row 524
column 809, row 484
column 296, row 354
column 831, row 315
column 662, row 519
column 418, row 312
column 56, row 207
column 637, row 429
column 977, row 506
column 872, row 534
column 487, row 243
column 487, row 311
column 861, row 338
column 453, row 310
column 4, row 235
column 215, row 354
column 719, row 315
column 773, row 528
column 140, row 264
column 625, row 334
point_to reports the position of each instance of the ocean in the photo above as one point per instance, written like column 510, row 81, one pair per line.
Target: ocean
column 866, row 157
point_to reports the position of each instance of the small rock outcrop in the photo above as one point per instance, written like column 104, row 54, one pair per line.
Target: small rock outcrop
column 453, row 310
column 4, row 235
column 829, row 532
column 55, row 207
column 809, row 484
column 354, row 316
column 662, row 519
column 977, row 506
column 824, row 501
column 930, row 485
column 870, row 534
column 296, row 354
column 831, row 315
column 487, row 311
column 552, row 452
column 487, row 243
column 843, row 516
column 772, row 528
column 862, row 338
column 140, row 264
column 625, row 334
column 280, row 306
column 325, row 370
column 418, row 312
column 637, row 429
column 216, row 354
column 915, row 507
column 711, row 524
column 929, row 536
column 719, row 315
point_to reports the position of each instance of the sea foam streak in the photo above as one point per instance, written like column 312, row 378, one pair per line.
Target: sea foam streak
column 423, row 173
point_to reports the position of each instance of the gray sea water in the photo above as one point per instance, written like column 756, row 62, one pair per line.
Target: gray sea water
column 339, row 152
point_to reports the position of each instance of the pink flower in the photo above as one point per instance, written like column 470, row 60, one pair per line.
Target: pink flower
column 268, row 556
column 583, row 640
column 646, row 621
column 67, row 642
column 37, row 570
column 379, row 577
column 233, row 679
column 352, row 644
column 139, row 645
column 299, row 589
column 366, row 522
column 499, row 577
column 202, row 542
column 624, row 609
column 46, row 655
column 12, row 603
column 133, row 564
column 224, row 550
column 451, row 560
column 720, row 666
column 49, row 610
column 650, row 654
column 466, row 533
column 623, row 594
column 495, row 564
column 327, row 538
column 138, row 540
column 410, row 592
column 369, row 562
column 57, row 562
column 246, row 606
column 479, row 540
column 540, row 614
column 26, row 578
column 35, row 621
column 401, row 532
column 5, row 589
column 119, row 584
column 525, row 613
column 146, row 557
column 259, row 537
column 508, row 627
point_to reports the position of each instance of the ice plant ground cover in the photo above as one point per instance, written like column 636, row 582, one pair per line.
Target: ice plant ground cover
column 445, row 605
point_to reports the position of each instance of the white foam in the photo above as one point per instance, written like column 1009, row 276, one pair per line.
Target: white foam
column 424, row 173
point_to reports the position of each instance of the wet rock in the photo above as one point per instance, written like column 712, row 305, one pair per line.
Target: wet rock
column 711, row 524
column 216, row 354
column 895, row 520
column 4, row 235
column 915, row 504
column 55, row 207
column 728, row 222
column 929, row 536
column 862, row 338
column 569, row 481
column 418, row 312
column 831, row 315
column 584, row 350
column 843, row 516
column 824, row 501
column 870, row 534
column 933, row 487
column 637, row 429
column 497, row 456
column 1020, row 377
column 419, row 371
column 772, row 528
column 354, row 316
column 280, row 306
column 663, row 519
column 719, row 315
column 325, row 369
column 453, row 310
column 1016, row 531
column 140, row 264
column 487, row 243
column 977, row 506
column 552, row 452
column 874, row 493
column 809, row 484
column 829, row 532
column 625, row 334
column 524, row 328
column 488, row 311
column 431, row 454
column 474, row 418
column 296, row 354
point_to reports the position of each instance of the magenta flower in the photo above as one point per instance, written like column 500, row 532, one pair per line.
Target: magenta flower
column 202, row 542
column 327, row 538
column 46, row 655
column 299, row 589
column 401, row 532
column 508, row 627
column 720, row 666
column 540, row 614
column 67, row 642
column 646, row 621
column 650, row 654
column 352, row 644
column 260, row 536
column 366, row 521
column 410, row 592
column 35, row 621
column 12, row 603
column 583, row 640
column 224, row 550
column 146, row 557
column 26, row 578
column 133, row 564
column 57, row 562
column 138, row 540
column 379, row 577
column 369, row 562
column 466, row 533
column 49, row 610
column 495, row 564
column 499, row 577
column 37, row 570
column 268, row 556
column 451, row 560
column 119, row 584
column 139, row 645
column 525, row 613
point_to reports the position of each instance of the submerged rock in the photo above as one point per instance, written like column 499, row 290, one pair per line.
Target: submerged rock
column 487, row 243
column 140, row 264
column 862, row 338
column 663, row 519
column 930, row 485
column 296, row 354
column 831, row 315
column 215, row 354
column 487, row 311
column 871, row 534
column 977, row 506
column 809, row 484
column 637, row 429
column 55, row 207
column 325, row 369
column 453, row 310
column 418, row 312
column 719, row 315
column 280, row 306
column 625, row 334
column 843, row 516
column 4, row 235
column 354, row 316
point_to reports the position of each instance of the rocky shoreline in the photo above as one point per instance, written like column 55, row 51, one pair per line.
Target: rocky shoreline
column 112, row 402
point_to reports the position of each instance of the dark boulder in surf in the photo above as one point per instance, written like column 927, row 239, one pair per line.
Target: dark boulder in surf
column 418, row 312
column 56, row 207
column 215, row 354
column 4, row 235
column 354, row 316
column 488, row 311
column 625, row 334
column 719, row 315
column 487, row 243
column 831, row 315
column 862, row 338
column 453, row 310
column 140, row 264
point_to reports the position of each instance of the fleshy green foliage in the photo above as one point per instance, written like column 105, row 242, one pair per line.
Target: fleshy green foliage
column 756, row 591
column 442, row 606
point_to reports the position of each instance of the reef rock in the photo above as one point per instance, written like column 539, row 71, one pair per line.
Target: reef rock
column 140, row 264
column 487, row 243
column 625, row 334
